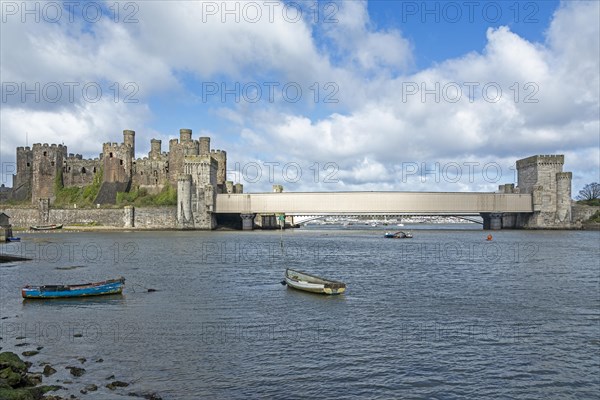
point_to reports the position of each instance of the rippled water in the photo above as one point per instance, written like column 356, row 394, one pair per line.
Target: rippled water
column 443, row 315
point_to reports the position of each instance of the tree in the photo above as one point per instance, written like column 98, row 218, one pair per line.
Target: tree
column 591, row 191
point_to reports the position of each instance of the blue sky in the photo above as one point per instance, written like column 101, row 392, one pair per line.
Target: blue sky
column 443, row 30
column 363, row 91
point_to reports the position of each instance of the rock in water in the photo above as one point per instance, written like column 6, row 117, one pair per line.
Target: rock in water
column 48, row 370
column 116, row 384
column 91, row 388
column 13, row 361
column 76, row 371
column 15, row 381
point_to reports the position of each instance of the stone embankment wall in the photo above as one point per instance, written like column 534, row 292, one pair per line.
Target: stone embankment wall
column 128, row 217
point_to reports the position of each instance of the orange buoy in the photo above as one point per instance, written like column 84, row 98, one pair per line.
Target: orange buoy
column 489, row 237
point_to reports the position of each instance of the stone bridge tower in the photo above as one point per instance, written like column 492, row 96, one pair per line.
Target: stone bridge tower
column 542, row 177
column 196, row 191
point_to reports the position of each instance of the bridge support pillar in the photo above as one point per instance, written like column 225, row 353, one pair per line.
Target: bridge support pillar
column 492, row 221
column 247, row 221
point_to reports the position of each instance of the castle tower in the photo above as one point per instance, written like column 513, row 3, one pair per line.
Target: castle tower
column 178, row 150
column 184, row 201
column 23, row 179
column 200, row 175
column 563, row 196
column 204, row 145
column 117, row 160
column 47, row 170
column 129, row 140
column 221, row 157
column 550, row 187
column 185, row 135
column 155, row 148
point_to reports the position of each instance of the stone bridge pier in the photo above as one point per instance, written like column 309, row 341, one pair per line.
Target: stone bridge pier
column 492, row 221
column 247, row 221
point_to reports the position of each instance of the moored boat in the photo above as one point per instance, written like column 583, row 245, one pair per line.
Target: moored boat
column 398, row 235
column 13, row 239
column 310, row 283
column 46, row 227
column 112, row 286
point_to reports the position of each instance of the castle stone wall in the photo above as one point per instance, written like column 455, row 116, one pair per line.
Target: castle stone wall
column 579, row 213
column 79, row 172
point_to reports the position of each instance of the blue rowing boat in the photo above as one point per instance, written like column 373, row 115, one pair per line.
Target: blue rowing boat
column 113, row 286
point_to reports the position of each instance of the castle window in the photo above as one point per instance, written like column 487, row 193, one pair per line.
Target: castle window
column 141, row 172
column 29, row 164
column 52, row 163
column 94, row 170
column 45, row 153
column 83, row 170
column 121, row 162
column 110, row 155
column 69, row 169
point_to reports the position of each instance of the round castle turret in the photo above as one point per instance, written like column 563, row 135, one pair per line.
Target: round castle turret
column 184, row 199
column 563, row 196
column 129, row 140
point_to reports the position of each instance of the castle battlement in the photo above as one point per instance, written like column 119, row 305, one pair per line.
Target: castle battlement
column 541, row 160
column 48, row 146
column 21, row 149
column 564, row 175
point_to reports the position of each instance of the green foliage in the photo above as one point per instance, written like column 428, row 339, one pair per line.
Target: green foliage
column 593, row 202
column 58, row 181
column 82, row 196
column 167, row 197
column 140, row 197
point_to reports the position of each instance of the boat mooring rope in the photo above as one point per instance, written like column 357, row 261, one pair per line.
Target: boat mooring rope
column 148, row 290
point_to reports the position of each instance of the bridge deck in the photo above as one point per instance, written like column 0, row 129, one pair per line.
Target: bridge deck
column 322, row 203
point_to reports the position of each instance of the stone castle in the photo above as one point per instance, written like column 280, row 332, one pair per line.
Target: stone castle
column 199, row 174
column 191, row 166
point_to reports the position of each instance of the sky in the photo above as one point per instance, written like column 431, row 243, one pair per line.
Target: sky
column 316, row 96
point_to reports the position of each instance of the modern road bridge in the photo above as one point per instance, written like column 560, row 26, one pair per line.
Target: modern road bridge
column 352, row 203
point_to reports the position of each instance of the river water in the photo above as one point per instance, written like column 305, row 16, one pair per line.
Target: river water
column 444, row 315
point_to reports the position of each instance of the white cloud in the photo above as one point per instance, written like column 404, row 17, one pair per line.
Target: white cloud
column 371, row 131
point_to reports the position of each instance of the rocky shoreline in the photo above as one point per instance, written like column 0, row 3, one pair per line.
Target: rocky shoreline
column 17, row 382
